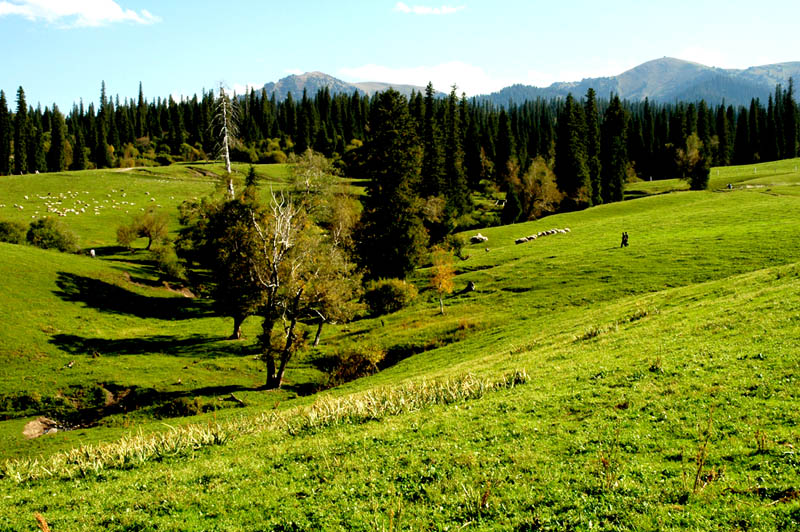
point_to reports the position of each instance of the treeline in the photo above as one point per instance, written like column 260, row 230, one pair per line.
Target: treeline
column 591, row 144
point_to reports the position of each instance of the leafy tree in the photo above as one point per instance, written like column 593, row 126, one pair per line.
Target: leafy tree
column 442, row 274
column 221, row 237
column 392, row 237
column 21, row 132
column 5, row 136
column 151, row 224
column 694, row 161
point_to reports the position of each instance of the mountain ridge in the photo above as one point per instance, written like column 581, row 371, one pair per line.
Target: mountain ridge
column 666, row 79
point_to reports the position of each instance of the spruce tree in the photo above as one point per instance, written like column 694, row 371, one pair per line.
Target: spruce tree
column 5, row 136
column 790, row 122
column 572, row 171
column 742, row 154
column 504, row 149
column 21, row 132
column 722, row 157
column 593, row 145
column 614, row 151
column 79, row 161
column 456, row 190
column 37, row 161
column 57, row 156
column 432, row 177
column 392, row 239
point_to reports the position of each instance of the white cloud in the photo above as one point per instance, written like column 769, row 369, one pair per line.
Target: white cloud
column 469, row 79
column 426, row 10
column 244, row 88
column 76, row 13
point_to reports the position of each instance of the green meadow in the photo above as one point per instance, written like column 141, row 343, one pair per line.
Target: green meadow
column 581, row 386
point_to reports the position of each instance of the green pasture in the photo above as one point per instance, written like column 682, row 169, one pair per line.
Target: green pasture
column 662, row 390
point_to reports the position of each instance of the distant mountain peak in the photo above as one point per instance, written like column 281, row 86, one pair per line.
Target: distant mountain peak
column 666, row 79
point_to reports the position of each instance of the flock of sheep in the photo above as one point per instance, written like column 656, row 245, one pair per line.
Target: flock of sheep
column 479, row 238
column 541, row 234
column 58, row 204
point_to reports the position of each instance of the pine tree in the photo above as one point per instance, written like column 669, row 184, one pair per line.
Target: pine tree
column 393, row 238
column 790, row 122
column 722, row 157
column 5, row 136
column 742, row 154
column 21, row 132
column 176, row 136
column 593, row 145
column 57, row 156
column 431, row 183
column 614, row 151
column 79, row 161
column 504, row 149
column 572, row 171
column 37, row 161
column 456, row 190
column 755, row 134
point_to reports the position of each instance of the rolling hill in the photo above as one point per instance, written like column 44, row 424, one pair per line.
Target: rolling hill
column 581, row 386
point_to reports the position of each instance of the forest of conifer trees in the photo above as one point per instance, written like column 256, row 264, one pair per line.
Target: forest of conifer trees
column 593, row 144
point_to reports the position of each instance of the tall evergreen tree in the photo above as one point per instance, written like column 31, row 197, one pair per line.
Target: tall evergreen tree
column 615, row 156
column 504, row 149
column 432, row 173
column 457, row 193
column 393, row 238
column 5, row 136
column 21, row 132
column 722, row 157
column 593, row 145
column 37, row 162
column 572, row 170
column 790, row 122
column 57, row 155
column 79, row 161
column 742, row 154
column 176, row 135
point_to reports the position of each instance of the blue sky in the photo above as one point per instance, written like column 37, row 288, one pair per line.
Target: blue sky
column 61, row 50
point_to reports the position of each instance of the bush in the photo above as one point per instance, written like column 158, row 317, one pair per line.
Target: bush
column 167, row 261
column 181, row 407
column 47, row 233
column 351, row 364
column 12, row 232
column 389, row 295
column 455, row 244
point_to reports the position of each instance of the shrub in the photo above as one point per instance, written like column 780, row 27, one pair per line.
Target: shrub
column 12, row 232
column 354, row 363
column 455, row 244
column 389, row 295
column 167, row 261
column 181, row 407
column 47, row 233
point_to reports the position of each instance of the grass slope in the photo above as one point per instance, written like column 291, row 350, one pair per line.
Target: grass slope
column 632, row 356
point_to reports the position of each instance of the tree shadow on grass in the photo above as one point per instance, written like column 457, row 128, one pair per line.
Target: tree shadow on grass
column 108, row 297
column 195, row 345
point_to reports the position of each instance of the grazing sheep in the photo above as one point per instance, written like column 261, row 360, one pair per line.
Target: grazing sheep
column 479, row 238
column 520, row 240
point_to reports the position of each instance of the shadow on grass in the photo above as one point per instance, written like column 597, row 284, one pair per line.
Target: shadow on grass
column 195, row 345
column 108, row 297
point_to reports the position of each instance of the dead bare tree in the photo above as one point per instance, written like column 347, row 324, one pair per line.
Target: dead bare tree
column 225, row 124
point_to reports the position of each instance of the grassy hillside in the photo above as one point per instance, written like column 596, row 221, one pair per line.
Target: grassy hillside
column 660, row 389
